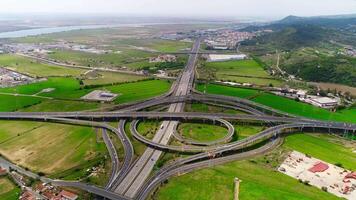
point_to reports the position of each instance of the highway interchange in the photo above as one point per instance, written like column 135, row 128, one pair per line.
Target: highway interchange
column 132, row 178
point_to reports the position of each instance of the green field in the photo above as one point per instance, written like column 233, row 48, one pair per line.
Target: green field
column 201, row 132
column 259, row 178
column 139, row 147
column 64, row 87
column 323, row 147
column 155, row 44
column 199, row 107
column 9, row 103
column 70, row 89
column 244, row 131
column 281, row 103
column 121, row 59
column 139, row 90
column 110, row 77
column 8, row 190
column 63, row 106
column 34, row 68
column 148, row 128
column 49, row 148
column 243, row 71
column 131, row 53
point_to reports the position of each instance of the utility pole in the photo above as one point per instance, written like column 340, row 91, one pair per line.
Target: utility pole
column 237, row 182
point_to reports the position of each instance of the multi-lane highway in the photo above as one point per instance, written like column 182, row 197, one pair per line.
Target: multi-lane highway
column 143, row 167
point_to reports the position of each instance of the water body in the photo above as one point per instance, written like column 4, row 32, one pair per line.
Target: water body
column 40, row 31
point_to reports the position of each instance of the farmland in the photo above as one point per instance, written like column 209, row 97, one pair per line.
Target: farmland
column 8, row 190
column 242, row 71
column 67, row 93
column 34, row 68
column 109, row 77
column 49, row 148
column 100, row 60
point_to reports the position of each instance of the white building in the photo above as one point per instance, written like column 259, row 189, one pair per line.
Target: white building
column 226, row 57
column 323, row 102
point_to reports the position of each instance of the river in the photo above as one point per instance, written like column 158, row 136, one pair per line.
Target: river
column 40, row 31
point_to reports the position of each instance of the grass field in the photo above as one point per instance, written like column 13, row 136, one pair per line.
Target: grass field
column 281, row 103
column 202, row 132
column 63, row 106
column 10, row 103
column 34, row 68
column 47, row 147
column 324, row 148
column 66, row 88
column 139, row 90
column 8, row 191
column 199, row 107
column 121, row 59
column 109, row 77
column 148, row 128
column 133, row 53
column 259, row 178
column 244, row 131
column 155, row 44
column 243, row 71
column 139, row 147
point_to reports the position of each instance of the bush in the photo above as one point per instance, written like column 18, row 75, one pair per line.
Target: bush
column 325, row 189
column 339, row 165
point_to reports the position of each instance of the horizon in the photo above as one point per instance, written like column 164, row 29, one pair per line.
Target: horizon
column 272, row 9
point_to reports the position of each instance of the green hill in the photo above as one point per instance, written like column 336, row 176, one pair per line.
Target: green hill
column 313, row 47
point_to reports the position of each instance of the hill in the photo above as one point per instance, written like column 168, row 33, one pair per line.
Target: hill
column 313, row 47
column 290, row 37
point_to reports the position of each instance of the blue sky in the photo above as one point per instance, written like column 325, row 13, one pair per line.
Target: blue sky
column 186, row 8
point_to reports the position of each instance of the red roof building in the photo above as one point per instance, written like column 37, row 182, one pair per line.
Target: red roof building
column 67, row 195
column 27, row 196
column 2, row 171
column 319, row 167
column 351, row 175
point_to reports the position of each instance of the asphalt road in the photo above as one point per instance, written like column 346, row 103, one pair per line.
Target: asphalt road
column 113, row 156
column 143, row 167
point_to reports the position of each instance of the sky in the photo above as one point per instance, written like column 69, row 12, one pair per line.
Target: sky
column 184, row 8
